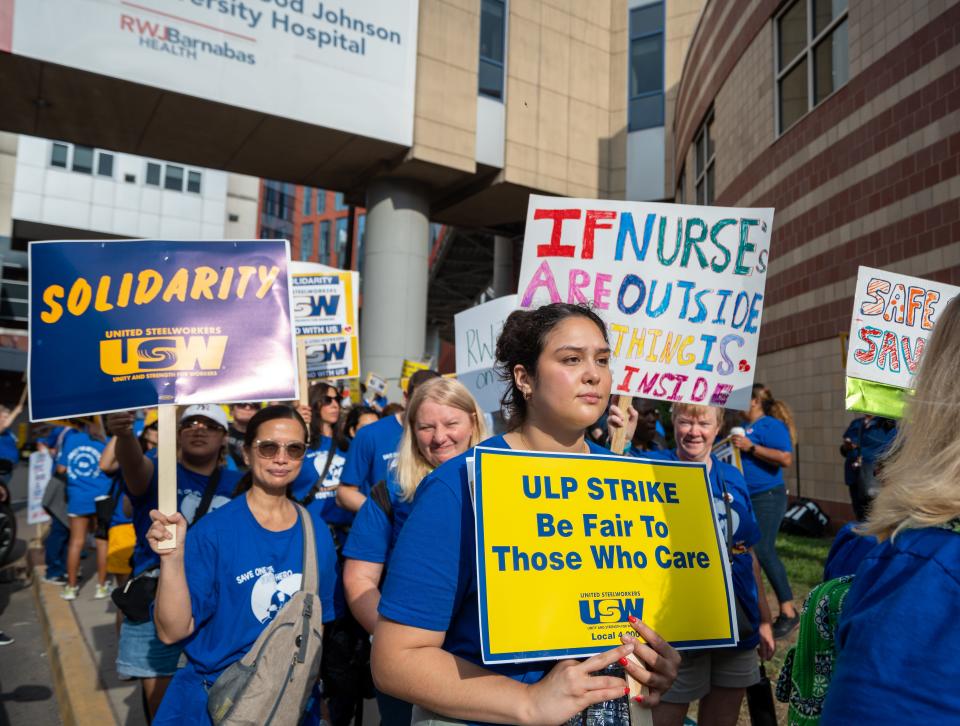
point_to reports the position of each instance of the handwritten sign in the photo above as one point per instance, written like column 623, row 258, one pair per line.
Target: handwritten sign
column 584, row 542
column 680, row 288
column 476, row 331
column 38, row 476
column 123, row 324
column 325, row 310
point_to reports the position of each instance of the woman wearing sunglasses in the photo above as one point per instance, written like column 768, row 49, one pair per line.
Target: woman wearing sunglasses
column 230, row 574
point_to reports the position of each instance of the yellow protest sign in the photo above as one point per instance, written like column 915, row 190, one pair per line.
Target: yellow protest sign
column 569, row 547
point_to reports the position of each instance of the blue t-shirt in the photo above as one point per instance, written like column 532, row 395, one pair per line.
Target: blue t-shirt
column 847, row 552
column 240, row 575
column 774, row 434
column 873, row 437
column 898, row 637
column 324, row 502
column 372, row 452
column 80, row 454
column 725, row 478
column 190, row 488
column 9, row 449
column 432, row 579
column 373, row 537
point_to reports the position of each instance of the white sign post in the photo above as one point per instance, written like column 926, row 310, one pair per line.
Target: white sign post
column 41, row 468
column 476, row 331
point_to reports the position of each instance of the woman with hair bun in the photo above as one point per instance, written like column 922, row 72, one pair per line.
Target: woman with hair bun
column 426, row 648
column 766, row 449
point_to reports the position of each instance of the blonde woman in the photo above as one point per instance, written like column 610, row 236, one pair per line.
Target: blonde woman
column 898, row 636
column 442, row 421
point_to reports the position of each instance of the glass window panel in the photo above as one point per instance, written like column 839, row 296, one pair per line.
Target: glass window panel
column 701, row 152
column 710, row 189
column 832, row 64
column 793, row 95
column 153, row 175
column 58, row 155
column 307, row 200
column 646, row 112
column 324, row 245
column 341, row 241
column 490, row 78
column 83, row 159
column 700, row 188
column 105, row 164
column 792, row 32
column 491, row 30
column 321, row 201
column 306, row 241
column 338, row 202
column 193, row 182
column 648, row 19
column 646, row 65
column 173, row 178
column 824, row 12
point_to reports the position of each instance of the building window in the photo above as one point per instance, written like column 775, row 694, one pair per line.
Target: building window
column 58, row 155
column 153, row 174
column 704, row 163
column 173, row 178
column 306, row 241
column 812, row 56
column 14, row 296
column 338, row 202
column 307, row 201
column 341, row 241
column 193, row 182
column 104, row 164
column 321, row 201
column 646, row 67
column 492, row 42
column 233, row 217
column 361, row 235
column 83, row 159
column 324, row 246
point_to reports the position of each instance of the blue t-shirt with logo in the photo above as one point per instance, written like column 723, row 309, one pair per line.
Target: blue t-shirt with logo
column 772, row 433
column 9, row 449
column 372, row 452
column 432, row 578
column 898, row 637
column 727, row 479
column 373, row 536
column 80, row 454
column 324, row 502
column 190, row 488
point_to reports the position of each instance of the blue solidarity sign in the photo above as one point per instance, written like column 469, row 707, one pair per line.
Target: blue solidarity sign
column 128, row 324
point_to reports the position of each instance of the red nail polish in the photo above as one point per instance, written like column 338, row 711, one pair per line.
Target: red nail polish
column 631, row 618
column 626, row 691
column 622, row 661
column 638, row 699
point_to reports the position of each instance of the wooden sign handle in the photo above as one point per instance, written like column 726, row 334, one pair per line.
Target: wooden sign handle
column 167, row 467
column 620, row 435
column 302, row 373
column 639, row 716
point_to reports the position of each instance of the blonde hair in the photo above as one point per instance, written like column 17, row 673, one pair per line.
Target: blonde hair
column 775, row 408
column 696, row 409
column 921, row 472
column 411, row 464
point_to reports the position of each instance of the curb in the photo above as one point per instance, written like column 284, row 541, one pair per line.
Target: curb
column 76, row 683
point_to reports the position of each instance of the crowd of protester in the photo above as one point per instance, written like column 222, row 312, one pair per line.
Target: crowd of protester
column 383, row 495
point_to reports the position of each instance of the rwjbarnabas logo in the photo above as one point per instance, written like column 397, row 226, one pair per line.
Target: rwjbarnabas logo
column 128, row 356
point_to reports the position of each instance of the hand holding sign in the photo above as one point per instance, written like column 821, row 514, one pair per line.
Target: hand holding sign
column 166, row 533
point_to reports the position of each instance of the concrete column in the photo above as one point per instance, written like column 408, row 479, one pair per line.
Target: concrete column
column 503, row 283
column 393, row 319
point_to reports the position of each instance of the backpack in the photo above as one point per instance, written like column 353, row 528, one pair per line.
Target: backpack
column 270, row 685
column 805, row 517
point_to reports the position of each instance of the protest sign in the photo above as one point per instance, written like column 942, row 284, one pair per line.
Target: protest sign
column 726, row 452
column 40, row 469
column 570, row 546
column 116, row 325
column 680, row 288
column 476, row 331
column 325, row 314
column 893, row 316
column 409, row 368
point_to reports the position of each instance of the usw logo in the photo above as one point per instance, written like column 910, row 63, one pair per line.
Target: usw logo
column 317, row 305
column 610, row 610
column 326, row 352
column 126, row 356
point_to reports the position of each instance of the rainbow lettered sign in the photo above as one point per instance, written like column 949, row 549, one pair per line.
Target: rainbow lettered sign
column 680, row 288
column 570, row 546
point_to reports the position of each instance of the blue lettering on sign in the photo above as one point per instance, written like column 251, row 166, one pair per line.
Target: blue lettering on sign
column 316, row 305
column 326, row 352
column 610, row 610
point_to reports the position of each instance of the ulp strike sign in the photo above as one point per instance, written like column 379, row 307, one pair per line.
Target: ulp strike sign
column 680, row 288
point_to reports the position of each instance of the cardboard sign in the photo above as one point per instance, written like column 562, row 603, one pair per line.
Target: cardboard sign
column 325, row 311
column 116, row 325
column 726, row 452
column 409, row 368
column 568, row 547
column 680, row 288
column 893, row 316
column 476, row 333
column 41, row 468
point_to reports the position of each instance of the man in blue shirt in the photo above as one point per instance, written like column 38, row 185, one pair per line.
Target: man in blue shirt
column 865, row 441
column 372, row 452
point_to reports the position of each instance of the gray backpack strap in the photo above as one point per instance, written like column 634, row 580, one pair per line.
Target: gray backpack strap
column 310, row 581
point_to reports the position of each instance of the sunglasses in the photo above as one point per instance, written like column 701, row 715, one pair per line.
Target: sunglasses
column 246, row 405
column 327, row 400
column 268, row 449
column 201, row 424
